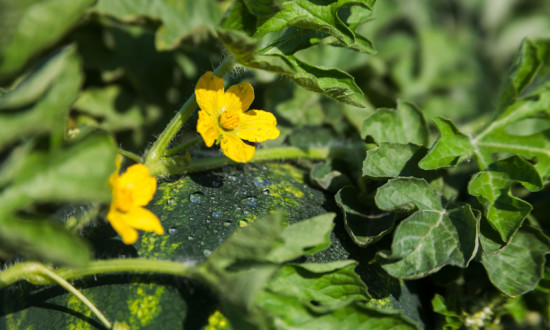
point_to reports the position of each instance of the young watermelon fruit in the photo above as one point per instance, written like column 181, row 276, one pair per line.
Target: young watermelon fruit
column 198, row 213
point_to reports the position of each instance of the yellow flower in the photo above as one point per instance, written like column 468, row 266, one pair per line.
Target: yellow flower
column 131, row 191
column 224, row 118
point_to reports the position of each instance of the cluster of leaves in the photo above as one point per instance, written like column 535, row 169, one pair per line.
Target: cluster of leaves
column 458, row 214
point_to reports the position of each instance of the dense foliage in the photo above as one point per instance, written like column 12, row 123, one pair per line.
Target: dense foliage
column 424, row 123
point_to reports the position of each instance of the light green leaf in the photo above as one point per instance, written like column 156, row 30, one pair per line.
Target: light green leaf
column 363, row 228
column 23, row 29
column 448, row 148
column 76, row 173
column 403, row 125
column 179, row 19
column 59, row 79
column 430, row 238
column 391, row 160
column 44, row 240
column 519, row 266
column 493, row 190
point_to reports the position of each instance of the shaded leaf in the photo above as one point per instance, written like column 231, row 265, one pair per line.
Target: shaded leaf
column 59, row 78
column 325, row 176
column 43, row 240
column 430, row 238
column 403, row 125
column 23, row 34
column 363, row 228
column 519, row 266
column 453, row 320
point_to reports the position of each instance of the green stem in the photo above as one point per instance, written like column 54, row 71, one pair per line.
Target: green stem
column 128, row 154
column 157, row 150
column 261, row 155
column 182, row 147
column 36, row 272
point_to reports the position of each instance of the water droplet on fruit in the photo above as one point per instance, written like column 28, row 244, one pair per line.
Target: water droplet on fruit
column 172, row 231
column 265, row 191
column 260, row 181
column 196, row 197
column 190, row 237
column 249, row 201
column 171, row 201
column 206, row 252
column 227, row 224
column 217, row 214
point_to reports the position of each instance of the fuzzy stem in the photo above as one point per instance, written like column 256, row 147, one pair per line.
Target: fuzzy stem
column 157, row 150
column 182, row 147
column 128, row 154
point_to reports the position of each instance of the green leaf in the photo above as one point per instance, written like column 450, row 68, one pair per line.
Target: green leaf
column 247, row 260
column 448, row 148
column 403, row 125
column 452, row 317
column 363, row 228
column 44, row 240
column 179, row 19
column 306, row 23
column 492, row 187
column 314, row 296
column 391, row 160
column 23, row 34
column 519, row 266
column 40, row 103
column 327, row 177
column 103, row 104
column 430, row 238
column 76, row 173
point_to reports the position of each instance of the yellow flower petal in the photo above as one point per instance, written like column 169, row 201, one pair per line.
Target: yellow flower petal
column 236, row 149
column 143, row 219
column 207, row 128
column 238, row 97
column 136, row 186
column 209, row 93
column 117, row 220
column 257, row 126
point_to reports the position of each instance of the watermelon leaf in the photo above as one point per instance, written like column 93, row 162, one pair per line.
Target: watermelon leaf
column 432, row 237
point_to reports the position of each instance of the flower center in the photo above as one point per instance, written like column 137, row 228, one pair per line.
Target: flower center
column 229, row 120
column 123, row 199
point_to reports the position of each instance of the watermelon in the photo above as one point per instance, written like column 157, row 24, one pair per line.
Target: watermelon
column 198, row 212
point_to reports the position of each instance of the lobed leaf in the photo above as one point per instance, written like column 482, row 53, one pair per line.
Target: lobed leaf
column 519, row 266
column 391, row 160
column 306, row 23
column 430, row 238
